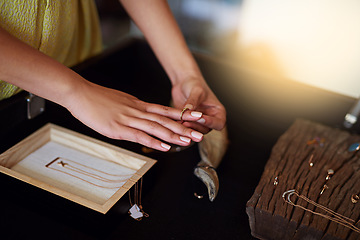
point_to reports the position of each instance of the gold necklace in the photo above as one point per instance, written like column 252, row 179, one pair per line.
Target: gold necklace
column 333, row 216
column 65, row 163
column 136, row 211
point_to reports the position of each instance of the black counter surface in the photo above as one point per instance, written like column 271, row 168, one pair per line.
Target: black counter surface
column 259, row 110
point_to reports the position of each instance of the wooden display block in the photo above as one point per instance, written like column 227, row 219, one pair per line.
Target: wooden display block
column 301, row 160
column 79, row 168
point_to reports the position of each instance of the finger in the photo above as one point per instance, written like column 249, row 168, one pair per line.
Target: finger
column 198, row 127
column 142, row 138
column 212, row 122
column 193, row 101
column 173, row 113
column 175, row 127
column 166, row 129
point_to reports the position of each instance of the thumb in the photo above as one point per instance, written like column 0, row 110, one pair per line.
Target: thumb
column 194, row 99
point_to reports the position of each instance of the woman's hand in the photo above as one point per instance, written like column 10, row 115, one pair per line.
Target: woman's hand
column 121, row 116
column 194, row 94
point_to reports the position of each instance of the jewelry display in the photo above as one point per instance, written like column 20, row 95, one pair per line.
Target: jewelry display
column 323, row 165
column 75, row 167
column 332, row 215
column 136, row 211
column 81, row 171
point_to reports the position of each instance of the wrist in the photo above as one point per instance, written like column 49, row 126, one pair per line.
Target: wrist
column 180, row 76
column 69, row 89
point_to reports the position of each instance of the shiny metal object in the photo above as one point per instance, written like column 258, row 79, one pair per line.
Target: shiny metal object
column 212, row 149
column 35, row 106
column 352, row 116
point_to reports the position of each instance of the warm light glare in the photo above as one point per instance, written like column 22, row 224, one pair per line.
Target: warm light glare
column 316, row 42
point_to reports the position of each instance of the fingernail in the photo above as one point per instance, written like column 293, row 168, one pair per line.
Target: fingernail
column 196, row 135
column 167, row 147
column 196, row 114
column 201, row 121
column 185, row 139
column 189, row 106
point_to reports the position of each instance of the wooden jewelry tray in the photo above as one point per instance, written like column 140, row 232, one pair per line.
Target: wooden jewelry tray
column 74, row 166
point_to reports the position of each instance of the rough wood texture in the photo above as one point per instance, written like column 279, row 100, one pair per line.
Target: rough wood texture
column 271, row 218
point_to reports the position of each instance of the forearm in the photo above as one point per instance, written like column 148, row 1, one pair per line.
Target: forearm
column 29, row 69
column 155, row 20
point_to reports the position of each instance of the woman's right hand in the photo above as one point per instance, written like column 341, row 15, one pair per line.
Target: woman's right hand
column 118, row 115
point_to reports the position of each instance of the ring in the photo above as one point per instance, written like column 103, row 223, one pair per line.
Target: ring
column 182, row 112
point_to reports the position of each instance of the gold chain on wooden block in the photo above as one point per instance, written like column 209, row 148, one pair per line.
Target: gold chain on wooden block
column 334, row 216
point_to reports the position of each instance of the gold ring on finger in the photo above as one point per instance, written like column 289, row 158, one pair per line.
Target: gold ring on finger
column 182, row 112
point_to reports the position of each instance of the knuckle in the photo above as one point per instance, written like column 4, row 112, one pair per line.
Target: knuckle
column 147, row 107
column 173, row 136
column 185, row 131
column 199, row 90
column 153, row 125
column 146, row 140
column 165, row 108
column 141, row 105
column 151, row 142
column 138, row 137
column 113, row 132
column 163, row 120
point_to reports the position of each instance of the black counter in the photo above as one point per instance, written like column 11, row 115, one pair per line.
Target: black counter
column 259, row 110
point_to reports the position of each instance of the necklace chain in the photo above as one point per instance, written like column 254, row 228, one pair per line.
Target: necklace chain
column 333, row 216
column 77, row 167
column 71, row 165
